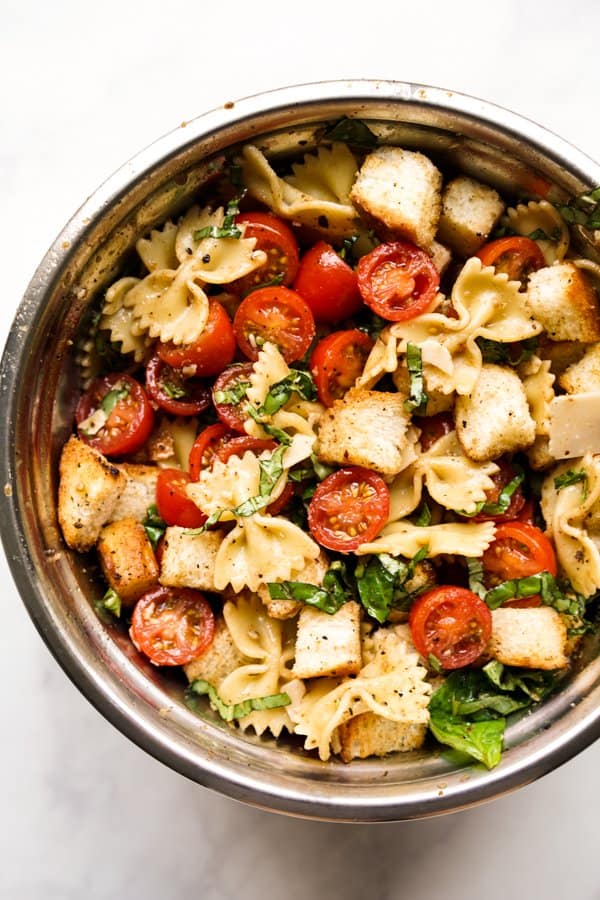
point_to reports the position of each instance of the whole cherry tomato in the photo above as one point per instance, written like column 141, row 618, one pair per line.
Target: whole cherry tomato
column 210, row 353
column 174, row 505
column 328, row 284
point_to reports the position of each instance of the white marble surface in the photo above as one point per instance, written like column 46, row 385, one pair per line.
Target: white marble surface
column 84, row 813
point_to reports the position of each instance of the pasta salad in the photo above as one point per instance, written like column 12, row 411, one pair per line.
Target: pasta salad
column 337, row 452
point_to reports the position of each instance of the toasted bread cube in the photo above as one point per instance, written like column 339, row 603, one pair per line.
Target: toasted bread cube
column 494, row 418
column 89, row 489
column 533, row 638
column 371, row 735
column 539, row 455
column 399, row 191
column 328, row 645
column 188, row 559
column 563, row 300
column 365, row 428
column 561, row 354
column 220, row 659
column 127, row 559
column 312, row 573
column 583, row 377
column 138, row 494
column 470, row 210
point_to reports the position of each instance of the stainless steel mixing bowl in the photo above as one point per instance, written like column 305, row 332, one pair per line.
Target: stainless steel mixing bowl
column 38, row 392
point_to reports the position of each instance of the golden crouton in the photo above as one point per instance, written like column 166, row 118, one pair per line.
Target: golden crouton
column 584, row 376
column 399, row 191
column 441, row 257
column 127, row 559
column 139, row 492
column 539, row 455
column 328, row 645
column 89, row 489
column 534, row 638
column 219, row 660
column 365, row 428
column 371, row 735
column 564, row 301
column 470, row 210
column 188, row 559
column 312, row 573
column 561, row 354
column 494, row 418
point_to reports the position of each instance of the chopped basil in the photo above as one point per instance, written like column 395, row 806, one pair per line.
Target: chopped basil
column 538, row 235
column 500, row 506
column 154, row 526
column 229, row 712
column 351, row 131
column 110, row 400
column 297, row 382
column 232, row 396
column 336, row 589
column 381, row 582
column 274, row 432
column 373, row 326
column 228, row 229
column 112, row 602
column 507, row 354
column 435, row 664
column 417, row 399
column 534, row 683
column 423, row 515
column 570, row 477
column 271, row 282
column 174, row 391
column 346, row 251
column 558, row 595
column 583, row 209
column 475, row 569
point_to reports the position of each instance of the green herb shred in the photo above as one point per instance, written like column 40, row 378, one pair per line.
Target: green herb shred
column 417, row 399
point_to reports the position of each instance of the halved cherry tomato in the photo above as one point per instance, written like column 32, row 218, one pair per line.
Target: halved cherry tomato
column 232, row 414
column 206, row 447
column 278, row 241
column 174, row 505
column 527, row 514
column 124, row 415
column 172, row 392
column 516, row 256
column 501, row 478
column 274, row 314
column 337, row 361
column 210, row 353
column 433, row 428
column 328, row 284
column 518, row 550
column 238, row 445
column 348, row 508
column 282, row 501
column 452, row 623
column 398, row 281
column 172, row 626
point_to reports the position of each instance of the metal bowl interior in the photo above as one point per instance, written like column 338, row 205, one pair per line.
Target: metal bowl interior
column 38, row 383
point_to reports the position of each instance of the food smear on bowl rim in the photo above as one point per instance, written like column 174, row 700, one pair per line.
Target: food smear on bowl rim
column 324, row 464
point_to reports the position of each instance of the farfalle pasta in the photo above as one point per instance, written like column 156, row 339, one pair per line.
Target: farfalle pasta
column 306, row 456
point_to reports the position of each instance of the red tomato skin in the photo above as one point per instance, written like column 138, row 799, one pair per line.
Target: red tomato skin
column 433, row 428
column 337, row 361
column 174, row 506
column 515, row 255
column 501, row 478
column 232, row 415
column 206, row 446
column 172, row 626
column 128, row 426
column 278, row 315
column 452, row 623
column 398, row 280
column 328, row 284
column 336, row 497
column 278, row 241
column 157, row 372
column 240, row 444
column 519, row 550
column 214, row 349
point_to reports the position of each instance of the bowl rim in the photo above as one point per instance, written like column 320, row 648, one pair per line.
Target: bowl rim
column 581, row 724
